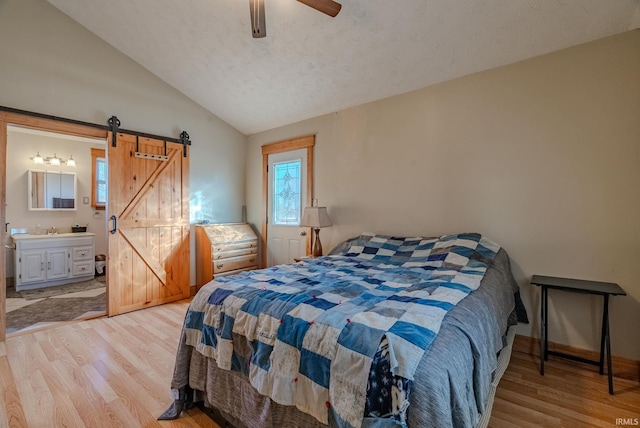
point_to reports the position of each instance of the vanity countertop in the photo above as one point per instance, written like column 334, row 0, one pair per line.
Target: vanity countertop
column 21, row 236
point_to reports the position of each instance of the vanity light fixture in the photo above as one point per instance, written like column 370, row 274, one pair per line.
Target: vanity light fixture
column 55, row 160
column 38, row 159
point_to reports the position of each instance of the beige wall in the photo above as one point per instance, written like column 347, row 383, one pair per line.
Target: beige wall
column 50, row 64
column 543, row 156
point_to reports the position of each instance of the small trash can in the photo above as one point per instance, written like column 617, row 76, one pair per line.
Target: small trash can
column 101, row 265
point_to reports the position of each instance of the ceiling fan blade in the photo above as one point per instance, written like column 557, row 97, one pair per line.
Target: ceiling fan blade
column 329, row 7
column 258, row 24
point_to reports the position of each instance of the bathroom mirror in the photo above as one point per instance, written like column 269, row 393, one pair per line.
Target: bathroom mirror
column 51, row 190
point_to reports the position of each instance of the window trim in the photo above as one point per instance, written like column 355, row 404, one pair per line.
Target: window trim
column 95, row 154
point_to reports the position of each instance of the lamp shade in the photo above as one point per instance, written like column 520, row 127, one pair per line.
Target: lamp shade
column 315, row 217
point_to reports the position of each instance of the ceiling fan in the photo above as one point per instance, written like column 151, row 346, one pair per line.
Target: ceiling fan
column 258, row 26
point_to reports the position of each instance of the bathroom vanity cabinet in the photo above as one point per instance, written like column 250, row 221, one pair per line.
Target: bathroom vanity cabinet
column 50, row 260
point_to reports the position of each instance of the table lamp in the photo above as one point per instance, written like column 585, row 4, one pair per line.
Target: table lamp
column 316, row 218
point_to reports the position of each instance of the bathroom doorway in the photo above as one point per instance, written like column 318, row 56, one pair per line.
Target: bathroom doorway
column 32, row 144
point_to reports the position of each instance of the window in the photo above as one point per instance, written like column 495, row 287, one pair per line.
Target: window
column 286, row 193
column 99, row 179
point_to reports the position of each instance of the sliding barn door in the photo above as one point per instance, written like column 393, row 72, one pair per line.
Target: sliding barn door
column 148, row 213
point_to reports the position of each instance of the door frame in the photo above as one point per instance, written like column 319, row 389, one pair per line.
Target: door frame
column 44, row 124
column 305, row 142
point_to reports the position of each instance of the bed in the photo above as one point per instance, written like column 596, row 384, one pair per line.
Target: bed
column 382, row 332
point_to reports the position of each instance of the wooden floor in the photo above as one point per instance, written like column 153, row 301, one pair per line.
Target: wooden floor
column 104, row 372
column 116, row 372
column 570, row 394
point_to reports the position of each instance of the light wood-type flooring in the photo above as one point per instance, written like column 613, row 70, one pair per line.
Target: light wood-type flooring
column 116, row 372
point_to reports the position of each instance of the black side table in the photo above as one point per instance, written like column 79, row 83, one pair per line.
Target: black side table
column 604, row 289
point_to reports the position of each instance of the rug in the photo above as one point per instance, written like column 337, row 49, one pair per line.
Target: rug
column 42, row 293
column 55, row 310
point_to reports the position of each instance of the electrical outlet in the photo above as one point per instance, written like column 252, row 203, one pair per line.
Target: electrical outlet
column 85, row 200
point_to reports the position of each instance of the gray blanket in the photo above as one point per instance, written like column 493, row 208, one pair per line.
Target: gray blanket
column 451, row 383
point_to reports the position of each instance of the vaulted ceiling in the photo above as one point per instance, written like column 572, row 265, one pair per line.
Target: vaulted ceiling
column 311, row 64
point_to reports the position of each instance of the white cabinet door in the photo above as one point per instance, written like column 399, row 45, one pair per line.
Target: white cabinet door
column 57, row 263
column 32, row 266
column 43, row 265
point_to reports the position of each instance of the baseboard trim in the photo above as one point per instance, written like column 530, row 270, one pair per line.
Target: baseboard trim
column 625, row 368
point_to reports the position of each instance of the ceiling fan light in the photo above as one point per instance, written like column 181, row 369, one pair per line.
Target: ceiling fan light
column 258, row 24
column 329, row 7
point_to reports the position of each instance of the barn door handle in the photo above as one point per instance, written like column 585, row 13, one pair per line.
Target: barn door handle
column 115, row 223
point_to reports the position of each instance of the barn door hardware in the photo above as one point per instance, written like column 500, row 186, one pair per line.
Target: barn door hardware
column 114, row 124
column 114, row 127
column 184, row 140
column 115, row 224
column 152, row 156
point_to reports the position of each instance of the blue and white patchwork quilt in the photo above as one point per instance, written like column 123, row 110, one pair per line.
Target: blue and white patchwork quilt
column 306, row 334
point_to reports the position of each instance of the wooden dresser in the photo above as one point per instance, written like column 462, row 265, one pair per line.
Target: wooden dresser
column 224, row 249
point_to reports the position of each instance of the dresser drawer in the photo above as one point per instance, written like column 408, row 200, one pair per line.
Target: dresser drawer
column 82, row 268
column 82, row 253
column 233, row 246
column 233, row 272
column 217, row 255
column 235, row 263
column 224, row 249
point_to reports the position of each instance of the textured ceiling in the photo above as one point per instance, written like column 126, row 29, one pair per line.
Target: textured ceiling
column 310, row 64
